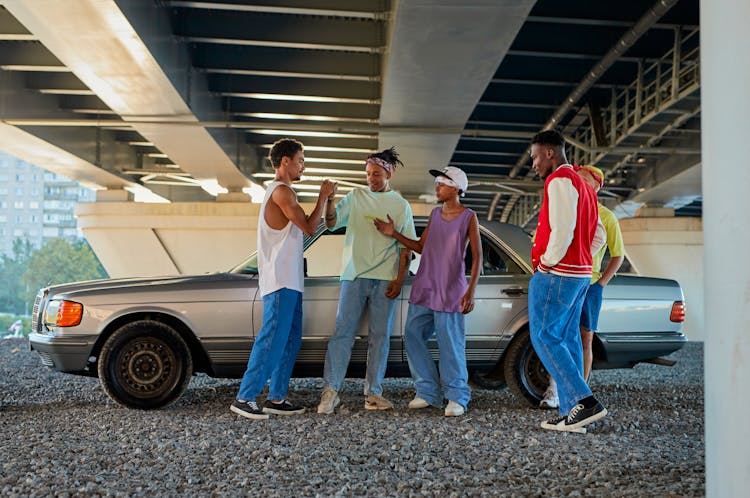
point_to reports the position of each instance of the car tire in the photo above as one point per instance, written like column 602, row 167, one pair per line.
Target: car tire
column 145, row 364
column 526, row 376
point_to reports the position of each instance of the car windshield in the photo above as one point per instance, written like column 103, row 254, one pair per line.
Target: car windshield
column 250, row 265
column 496, row 260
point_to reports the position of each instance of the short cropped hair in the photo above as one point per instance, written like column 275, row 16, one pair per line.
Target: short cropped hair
column 551, row 138
column 284, row 147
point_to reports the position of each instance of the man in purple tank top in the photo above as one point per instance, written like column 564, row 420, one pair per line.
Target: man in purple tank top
column 440, row 295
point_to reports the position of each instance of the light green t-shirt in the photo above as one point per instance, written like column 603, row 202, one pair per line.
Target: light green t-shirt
column 367, row 252
column 614, row 242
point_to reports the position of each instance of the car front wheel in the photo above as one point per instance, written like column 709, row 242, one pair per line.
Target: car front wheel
column 526, row 376
column 145, row 364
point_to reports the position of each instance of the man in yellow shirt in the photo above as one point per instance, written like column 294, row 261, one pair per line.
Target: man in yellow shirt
column 593, row 301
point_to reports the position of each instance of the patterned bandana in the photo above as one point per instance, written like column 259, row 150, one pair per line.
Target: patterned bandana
column 379, row 162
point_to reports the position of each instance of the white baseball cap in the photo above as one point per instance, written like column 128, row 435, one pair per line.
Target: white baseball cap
column 455, row 178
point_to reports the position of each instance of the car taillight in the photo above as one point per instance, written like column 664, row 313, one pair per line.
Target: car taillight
column 678, row 312
column 69, row 314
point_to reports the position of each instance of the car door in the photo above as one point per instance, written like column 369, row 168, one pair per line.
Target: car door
column 500, row 297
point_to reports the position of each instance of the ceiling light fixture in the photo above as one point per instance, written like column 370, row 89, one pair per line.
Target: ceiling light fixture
column 305, row 133
column 304, row 117
column 299, row 98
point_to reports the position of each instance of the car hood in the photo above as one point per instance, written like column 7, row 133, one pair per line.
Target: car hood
column 140, row 284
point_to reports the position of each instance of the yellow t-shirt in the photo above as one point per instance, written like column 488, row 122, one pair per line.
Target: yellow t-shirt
column 614, row 242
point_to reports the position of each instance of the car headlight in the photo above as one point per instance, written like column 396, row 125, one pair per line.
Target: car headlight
column 63, row 313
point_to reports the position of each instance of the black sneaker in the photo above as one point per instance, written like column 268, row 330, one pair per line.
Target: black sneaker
column 248, row 409
column 578, row 417
column 283, row 408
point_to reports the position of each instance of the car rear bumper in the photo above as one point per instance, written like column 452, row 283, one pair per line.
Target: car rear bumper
column 636, row 347
column 67, row 354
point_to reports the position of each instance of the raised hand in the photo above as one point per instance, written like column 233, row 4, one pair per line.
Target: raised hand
column 328, row 189
column 385, row 227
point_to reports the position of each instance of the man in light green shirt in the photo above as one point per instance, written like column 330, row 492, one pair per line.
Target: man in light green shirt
column 373, row 271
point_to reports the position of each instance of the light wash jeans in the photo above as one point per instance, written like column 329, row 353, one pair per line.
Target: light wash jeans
column 276, row 346
column 554, row 316
column 355, row 295
column 451, row 382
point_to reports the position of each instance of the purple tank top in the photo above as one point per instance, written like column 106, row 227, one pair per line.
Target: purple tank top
column 440, row 282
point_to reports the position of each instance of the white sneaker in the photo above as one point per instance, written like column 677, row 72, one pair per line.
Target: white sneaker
column 550, row 399
column 454, row 409
column 329, row 400
column 418, row 404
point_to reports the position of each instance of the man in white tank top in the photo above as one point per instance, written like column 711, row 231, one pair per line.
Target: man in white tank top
column 281, row 226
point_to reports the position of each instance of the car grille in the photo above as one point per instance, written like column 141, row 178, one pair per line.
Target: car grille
column 46, row 359
column 36, row 312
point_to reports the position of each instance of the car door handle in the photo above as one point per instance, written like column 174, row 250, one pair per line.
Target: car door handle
column 515, row 291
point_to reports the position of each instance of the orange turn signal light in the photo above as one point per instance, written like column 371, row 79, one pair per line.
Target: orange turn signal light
column 678, row 312
column 69, row 314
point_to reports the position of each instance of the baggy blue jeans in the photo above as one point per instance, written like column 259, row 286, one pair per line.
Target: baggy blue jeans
column 451, row 382
column 554, row 315
column 276, row 346
column 355, row 295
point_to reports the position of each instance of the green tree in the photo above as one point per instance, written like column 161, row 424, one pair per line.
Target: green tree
column 12, row 268
column 58, row 261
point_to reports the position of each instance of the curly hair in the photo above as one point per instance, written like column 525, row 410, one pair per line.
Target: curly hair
column 284, row 147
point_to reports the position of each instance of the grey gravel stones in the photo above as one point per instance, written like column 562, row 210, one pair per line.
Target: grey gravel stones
column 62, row 436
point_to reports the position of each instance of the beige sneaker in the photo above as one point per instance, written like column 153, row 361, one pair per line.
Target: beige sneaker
column 454, row 409
column 377, row 402
column 329, row 400
column 418, row 404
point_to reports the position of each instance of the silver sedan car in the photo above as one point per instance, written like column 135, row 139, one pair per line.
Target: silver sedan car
column 145, row 337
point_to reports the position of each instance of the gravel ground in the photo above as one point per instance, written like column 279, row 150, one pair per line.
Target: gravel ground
column 62, row 436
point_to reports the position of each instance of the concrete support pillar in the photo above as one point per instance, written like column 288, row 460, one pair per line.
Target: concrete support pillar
column 725, row 107
column 134, row 239
column 113, row 195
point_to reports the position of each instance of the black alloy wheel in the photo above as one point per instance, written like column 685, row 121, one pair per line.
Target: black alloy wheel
column 526, row 376
column 145, row 364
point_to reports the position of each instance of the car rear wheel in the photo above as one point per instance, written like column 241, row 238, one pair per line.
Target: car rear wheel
column 526, row 376
column 145, row 364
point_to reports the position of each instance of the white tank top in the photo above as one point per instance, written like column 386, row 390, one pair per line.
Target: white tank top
column 279, row 253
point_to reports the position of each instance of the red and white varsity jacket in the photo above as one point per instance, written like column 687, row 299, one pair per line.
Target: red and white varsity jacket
column 569, row 230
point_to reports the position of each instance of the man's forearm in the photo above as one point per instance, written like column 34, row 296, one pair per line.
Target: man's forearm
column 411, row 245
column 313, row 219
column 609, row 272
column 330, row 216
column 403, row 264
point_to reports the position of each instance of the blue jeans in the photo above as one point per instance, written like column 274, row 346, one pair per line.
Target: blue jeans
column 276, row 346
column 554, row 315
column 452, row 381
column 355, row 295
column 592, row 305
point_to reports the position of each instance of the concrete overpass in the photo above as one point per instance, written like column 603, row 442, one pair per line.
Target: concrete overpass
column 177, row 101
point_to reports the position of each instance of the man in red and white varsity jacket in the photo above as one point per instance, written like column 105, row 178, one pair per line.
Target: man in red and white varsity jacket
column 568, row 233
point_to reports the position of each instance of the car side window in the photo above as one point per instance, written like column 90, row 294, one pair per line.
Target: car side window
column 495, row 261
column 323, row 257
